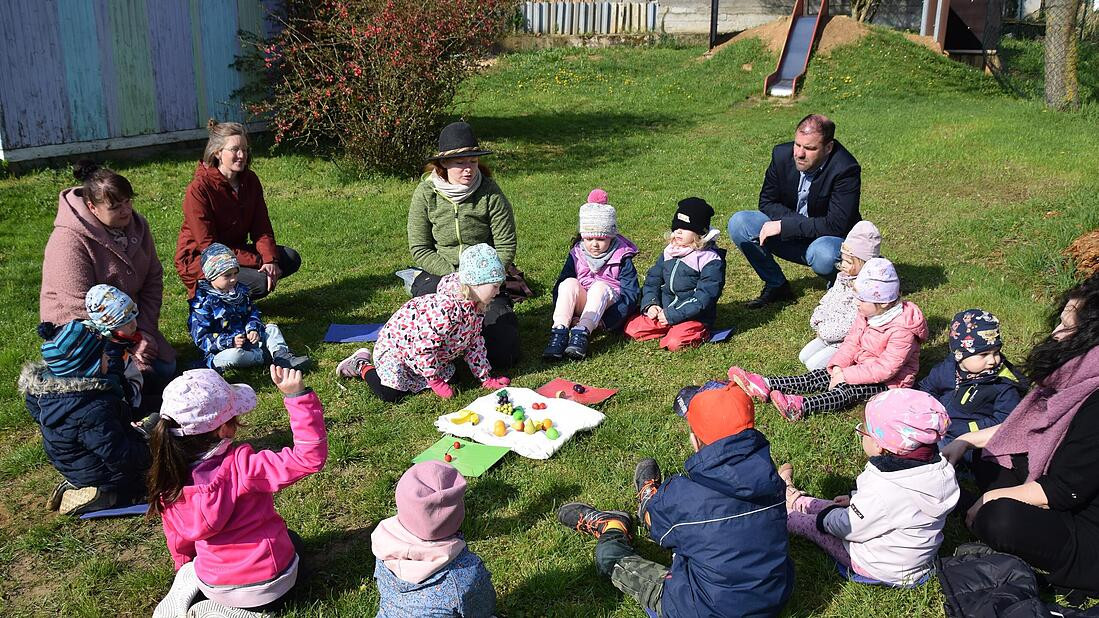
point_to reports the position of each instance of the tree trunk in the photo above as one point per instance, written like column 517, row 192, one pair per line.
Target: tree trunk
column 1062, row 87
column 864, row 10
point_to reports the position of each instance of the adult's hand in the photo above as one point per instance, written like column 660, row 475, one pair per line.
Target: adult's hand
column 986, row 497
column 954, row 451
column 769, row 229
column 273, row 273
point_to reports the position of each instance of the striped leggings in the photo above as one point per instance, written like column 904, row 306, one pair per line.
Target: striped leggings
column 815, row 381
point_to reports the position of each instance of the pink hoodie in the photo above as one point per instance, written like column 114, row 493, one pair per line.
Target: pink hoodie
column 226, row 521
column 409, row 557
column 887, row 354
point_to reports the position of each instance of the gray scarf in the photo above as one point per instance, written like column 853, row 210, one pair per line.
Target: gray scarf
column 596, row 264
column 455, row 192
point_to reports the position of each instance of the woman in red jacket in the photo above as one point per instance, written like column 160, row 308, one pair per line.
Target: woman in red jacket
column 224, row 203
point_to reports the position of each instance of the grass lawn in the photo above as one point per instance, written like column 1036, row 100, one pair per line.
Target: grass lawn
column 976, row 192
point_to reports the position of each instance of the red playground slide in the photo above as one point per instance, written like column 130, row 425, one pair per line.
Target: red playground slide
column 800, row 39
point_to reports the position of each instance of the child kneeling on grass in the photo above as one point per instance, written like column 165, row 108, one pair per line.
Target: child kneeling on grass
column 423, row 566
column 78, row 401
column 882, row 351
column 724, row 519
column 679, row 298
column 597, row 285
column 226, row 324
column 217, row 500
column 978, row 386
column 113, row 314
column 889, row 529
column 417, row 346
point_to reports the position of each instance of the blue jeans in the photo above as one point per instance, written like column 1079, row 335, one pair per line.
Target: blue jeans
column 820, row 254
column 251, row 356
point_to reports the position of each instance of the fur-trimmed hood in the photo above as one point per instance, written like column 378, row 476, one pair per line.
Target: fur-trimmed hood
column 36, row 380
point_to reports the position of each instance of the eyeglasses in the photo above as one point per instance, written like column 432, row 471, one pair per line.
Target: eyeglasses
column 861, row 429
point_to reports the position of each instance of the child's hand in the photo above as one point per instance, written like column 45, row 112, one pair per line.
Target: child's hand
column 661, row 318
column 287, row 380
column 837, row 378
column 441, row 388
column 844, row 500
column 238, row 341
column 253, row 337
column 652, row 312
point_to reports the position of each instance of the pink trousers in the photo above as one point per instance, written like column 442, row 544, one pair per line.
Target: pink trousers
column 579, row 307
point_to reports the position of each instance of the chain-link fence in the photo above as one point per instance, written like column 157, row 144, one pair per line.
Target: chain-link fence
column 1049, row 50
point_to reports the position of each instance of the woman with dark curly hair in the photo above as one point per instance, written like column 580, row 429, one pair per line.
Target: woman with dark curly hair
column 1038, row 474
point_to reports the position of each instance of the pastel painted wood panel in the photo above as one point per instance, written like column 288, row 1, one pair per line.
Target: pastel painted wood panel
column 218, row 20
column 133, row 62
column 32, row 89
column 173, row 64
column 80, row 44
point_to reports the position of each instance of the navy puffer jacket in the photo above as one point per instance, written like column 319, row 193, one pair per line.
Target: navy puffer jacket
column 686, row 288
column 725, row 519
column 977, row 402
column 85, row 430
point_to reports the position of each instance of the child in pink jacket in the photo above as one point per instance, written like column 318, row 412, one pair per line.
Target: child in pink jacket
column 882, row 351
column 217, row 500
column 417, row 347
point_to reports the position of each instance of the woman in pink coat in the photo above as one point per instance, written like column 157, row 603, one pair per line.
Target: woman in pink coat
column 98, row 238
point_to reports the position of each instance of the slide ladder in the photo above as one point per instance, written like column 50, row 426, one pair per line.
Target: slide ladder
column 800, row 39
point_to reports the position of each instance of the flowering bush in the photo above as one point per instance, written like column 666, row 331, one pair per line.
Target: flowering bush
column 373, row 79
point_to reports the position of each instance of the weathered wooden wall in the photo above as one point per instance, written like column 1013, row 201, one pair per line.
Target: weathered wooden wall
column 75, row 71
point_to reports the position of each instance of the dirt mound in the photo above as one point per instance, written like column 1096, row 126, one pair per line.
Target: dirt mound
column 1085, row 252
column 839, row 30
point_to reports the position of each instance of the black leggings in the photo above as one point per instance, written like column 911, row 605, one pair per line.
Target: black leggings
column 500, row 329
column 381, row 391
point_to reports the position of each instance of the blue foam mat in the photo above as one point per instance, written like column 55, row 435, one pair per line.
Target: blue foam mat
column 721, row 335
column 350, row 333
column 122, row 511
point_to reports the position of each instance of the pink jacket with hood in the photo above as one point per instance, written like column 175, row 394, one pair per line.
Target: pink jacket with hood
column 225, row 521
column 81, row 253
column 888, row 354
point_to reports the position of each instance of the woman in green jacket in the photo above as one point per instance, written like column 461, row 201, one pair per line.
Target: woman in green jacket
column 457, row 205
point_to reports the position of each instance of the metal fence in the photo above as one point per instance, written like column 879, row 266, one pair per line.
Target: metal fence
column 582, row 18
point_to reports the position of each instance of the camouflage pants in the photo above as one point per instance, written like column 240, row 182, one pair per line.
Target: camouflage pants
column 638, row 578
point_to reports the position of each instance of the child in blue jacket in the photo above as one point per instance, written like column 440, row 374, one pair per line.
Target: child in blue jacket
column 78, row 401
column 975, row 383
column 225, row 323
column 724, row 519
column 679, row 298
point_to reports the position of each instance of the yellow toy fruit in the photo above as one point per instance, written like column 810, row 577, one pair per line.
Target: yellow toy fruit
column 546, row 424
column 499, row 428
column 529, row 429
column 517, row 425
column 474, row 419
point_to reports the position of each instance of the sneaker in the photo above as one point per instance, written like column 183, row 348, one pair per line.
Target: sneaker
column 578, row 344
column 752, row 383
column 213, row 609
column 54, row 501
column 791, row 407
column 291, row 361
column 85, row 500
column 555, row 349
column 351, row 367
column 646, row 480
column 590, row 520
column 769, row 295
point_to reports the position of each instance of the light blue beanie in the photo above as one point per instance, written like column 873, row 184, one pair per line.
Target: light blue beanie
column 479, row 264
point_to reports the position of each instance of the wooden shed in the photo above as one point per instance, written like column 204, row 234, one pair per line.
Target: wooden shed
column 82, row 76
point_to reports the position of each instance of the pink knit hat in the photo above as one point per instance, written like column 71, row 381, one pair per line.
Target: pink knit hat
column 901, row 420
column 201, row 400
column 878, row 282
column 431, row 500
column 863, row 241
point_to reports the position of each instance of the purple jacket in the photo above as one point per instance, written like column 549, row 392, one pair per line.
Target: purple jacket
column 618, row 272
column 610, row 272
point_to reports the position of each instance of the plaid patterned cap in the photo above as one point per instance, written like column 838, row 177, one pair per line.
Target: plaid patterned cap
column 74, row 350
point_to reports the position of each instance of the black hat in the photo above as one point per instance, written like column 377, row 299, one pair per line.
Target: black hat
column 693, row 213
column 457, row 140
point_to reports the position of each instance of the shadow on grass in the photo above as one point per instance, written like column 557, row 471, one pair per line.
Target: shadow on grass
column 338, row 302
column 335, row 562
column 569, row 592
column 492, row 492
column 920, row 277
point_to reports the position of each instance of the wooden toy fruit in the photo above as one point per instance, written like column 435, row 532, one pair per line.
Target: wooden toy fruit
column 552, row 433
column 499, row 428
column 559, row 394
column 447, row 458
column 579, row 388
column 457, row 445
column 517, row 425
column 529, row 429
column 465, row 416
column 547, row 424
column 538, row 405
column 518, row 415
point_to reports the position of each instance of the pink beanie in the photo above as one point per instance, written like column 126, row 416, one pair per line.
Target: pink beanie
column 878, row 282
column 431, row 500
column 863, row 241
column 902, row 420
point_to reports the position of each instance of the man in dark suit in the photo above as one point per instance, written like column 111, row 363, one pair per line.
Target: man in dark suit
column 809, row 201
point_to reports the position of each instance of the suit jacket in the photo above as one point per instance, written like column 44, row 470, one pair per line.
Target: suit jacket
column 833, row 195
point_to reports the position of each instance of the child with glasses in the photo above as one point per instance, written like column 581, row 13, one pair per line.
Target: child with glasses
column 889, row 529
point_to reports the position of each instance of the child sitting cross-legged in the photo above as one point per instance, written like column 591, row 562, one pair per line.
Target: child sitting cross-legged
column 423, row 566
column 975, row 383
column 882, row 351
column 679, row 297
column 417, row 346
column 889, row 529
column 724, row 519
column 79, row 403
column 226, row 324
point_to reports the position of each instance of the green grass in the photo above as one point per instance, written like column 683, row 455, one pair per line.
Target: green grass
column 976, row 191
